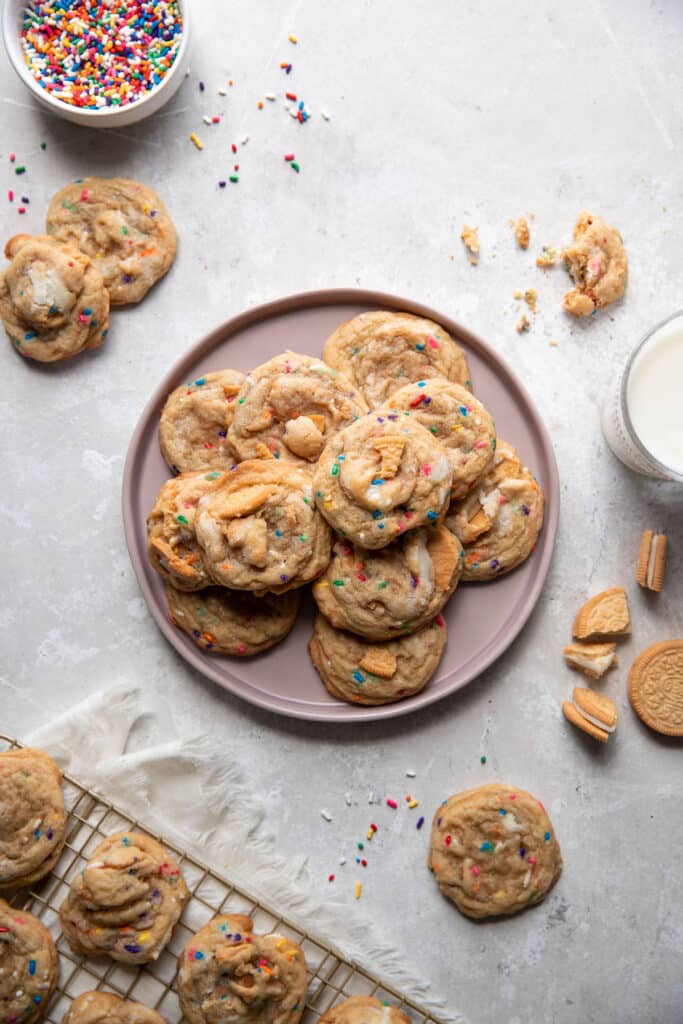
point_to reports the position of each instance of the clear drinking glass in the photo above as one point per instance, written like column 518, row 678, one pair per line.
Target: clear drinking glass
column 629, row 400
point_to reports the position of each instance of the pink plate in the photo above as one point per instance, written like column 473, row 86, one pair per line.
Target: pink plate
column 483, row 619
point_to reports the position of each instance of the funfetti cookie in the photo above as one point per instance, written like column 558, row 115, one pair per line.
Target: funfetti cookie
column 32, row 817
column 597, row 261
column 499, row 522
column 361, row 671
column 493, row 850
column 53, row 301
column 289, row 408
column 122, row 226
column 107, row 1008
column 364, row 1010
column 382, row 477
column 126, row 901
column 227, row 974
column 193, row 430
column 457, row 420
column 380, row 352
column 391, row 591
column 29, row 966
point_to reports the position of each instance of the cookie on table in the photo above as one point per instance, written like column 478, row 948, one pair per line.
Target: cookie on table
column 227, row 974
column 380, row 352
column 395, row 590
column 362, row 672
column 172, row 546
column 234, row 622
column 655, row 687
column 29, row 966
column 381, row 477
column 260, row 529
column 289, row 407
column 193, row 430
column 597, row 262
column 53, row 302
column 493, row 850
column 499, row 522
column 458, row 420
column 32, row 817
column 106, row 1008
column 126, row 902
column 364, row 1010
column 122, row 226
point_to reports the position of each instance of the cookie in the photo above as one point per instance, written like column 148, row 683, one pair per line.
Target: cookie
column 361, row 672
column 651, row 561
column 233, row 622
column 597, row 262
column 32, row 817
column 229, row 975
column 126, row 901
column 172, row 546
column 364, row 1010
column 260, row 529
column 29, row 966
column 591, row 712
column 499, row 522
column 460, row 422
column 380, row 478
column 592, row 659
column 380, row 352
column 470, row 237
column 655, row 687
column 53, row 302
column 493, row 850
column 122, row 226
column 193, row 430
column 290, row 407
column 522, row 233
column 106, row 1008
column 603, row 616
column 384, row 594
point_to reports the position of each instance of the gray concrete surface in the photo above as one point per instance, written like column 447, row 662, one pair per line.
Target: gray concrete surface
column 440, row 113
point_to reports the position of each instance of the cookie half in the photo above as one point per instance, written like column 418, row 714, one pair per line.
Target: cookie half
column 597, row 261
column 107, row 1008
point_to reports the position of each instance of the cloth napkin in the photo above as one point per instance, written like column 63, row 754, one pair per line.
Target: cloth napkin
column 192, row 792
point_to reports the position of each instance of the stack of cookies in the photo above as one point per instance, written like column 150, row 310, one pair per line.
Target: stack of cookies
column 372, row 473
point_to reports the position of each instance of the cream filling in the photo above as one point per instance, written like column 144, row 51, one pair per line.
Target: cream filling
column 652, row 560
column 595, row 721
column 48, row 289
column 600, row 663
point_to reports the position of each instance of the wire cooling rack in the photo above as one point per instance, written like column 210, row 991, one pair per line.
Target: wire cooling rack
column 331, row 978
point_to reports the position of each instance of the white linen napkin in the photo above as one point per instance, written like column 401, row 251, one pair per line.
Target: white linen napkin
column 192, row 792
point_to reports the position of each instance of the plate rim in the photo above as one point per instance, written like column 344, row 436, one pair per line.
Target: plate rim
column 288, row 304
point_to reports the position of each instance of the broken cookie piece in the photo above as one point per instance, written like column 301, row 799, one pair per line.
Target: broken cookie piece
column 592, row 659
column 603, row 617
column 598, row 264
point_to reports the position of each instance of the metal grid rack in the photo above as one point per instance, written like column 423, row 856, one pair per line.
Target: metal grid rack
column 331, row 977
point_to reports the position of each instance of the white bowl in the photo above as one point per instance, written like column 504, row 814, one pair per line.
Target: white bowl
column 106, row 117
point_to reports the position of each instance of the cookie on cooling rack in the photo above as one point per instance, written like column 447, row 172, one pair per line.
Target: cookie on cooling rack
column 106, row 1008
column 363, row 1010
column 227, row 973
column 126, row 901
column 29, row 966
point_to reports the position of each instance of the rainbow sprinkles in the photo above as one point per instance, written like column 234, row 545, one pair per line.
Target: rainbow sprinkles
column 99, row 55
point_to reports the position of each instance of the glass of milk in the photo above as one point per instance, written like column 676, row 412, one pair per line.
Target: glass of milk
column 642, row 418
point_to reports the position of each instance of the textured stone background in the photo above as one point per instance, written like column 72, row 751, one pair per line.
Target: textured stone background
column 441, row 113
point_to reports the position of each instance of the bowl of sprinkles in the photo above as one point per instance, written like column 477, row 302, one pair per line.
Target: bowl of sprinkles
column 102, row 63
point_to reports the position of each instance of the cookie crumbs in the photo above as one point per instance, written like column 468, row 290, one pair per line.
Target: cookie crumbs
column 531, row 299
column 547, row 258
column 522, row 235
column 523, row 324
column 470, row 236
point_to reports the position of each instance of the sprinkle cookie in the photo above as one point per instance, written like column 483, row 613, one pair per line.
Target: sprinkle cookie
column 53, row 302
column 457, row 420
column 29, row 966
column 361, row 672
column 598, row 263
column 233, row 622
column 395, row 590
column 655, row 687
column 106, row 1008
column 122, row 226
column 260, row 529
column 172, row 546
column 290, row 407
column 126, row 902
column 193, row 431
column 32, row 817
column 364, row 1010
column 499, row 522
column 382, row 477
column 228, row 974
column 380, row 352
column 493, row 850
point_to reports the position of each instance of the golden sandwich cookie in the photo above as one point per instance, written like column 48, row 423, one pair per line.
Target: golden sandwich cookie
column 651, row 560
column 591, row 712
column 591, row 659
